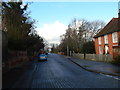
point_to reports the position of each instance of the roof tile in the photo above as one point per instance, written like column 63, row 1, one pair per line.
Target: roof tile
column 111, row 27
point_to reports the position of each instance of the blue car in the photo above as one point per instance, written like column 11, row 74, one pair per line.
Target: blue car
column 42, row 57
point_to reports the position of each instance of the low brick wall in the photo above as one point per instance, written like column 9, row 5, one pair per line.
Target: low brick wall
column 17, row 58
column 95, row 57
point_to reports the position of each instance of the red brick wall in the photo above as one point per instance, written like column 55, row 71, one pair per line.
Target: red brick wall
column 103, row 43
column 96, row 46
column 110, row 43
column 116, row 51
column 16, row 58
column 119, row 37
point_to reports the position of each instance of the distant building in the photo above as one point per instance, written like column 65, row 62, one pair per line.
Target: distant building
column 108, row 37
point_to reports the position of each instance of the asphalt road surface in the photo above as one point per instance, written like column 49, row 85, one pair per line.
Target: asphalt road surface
column 59, row 72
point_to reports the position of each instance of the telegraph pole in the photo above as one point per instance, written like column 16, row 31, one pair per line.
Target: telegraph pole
column 68, row 42
column 67, row 50
column 1, row 11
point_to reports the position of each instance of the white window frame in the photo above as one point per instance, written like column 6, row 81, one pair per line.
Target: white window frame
column 115, row 37
column 99, row 40
column 106, row 39
column 100, row 49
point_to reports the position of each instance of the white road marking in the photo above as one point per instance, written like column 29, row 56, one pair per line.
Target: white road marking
column 115, row 77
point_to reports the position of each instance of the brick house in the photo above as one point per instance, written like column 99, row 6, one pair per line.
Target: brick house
column 108, row 37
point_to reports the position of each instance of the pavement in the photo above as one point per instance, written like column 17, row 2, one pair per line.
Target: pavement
column 98, row 67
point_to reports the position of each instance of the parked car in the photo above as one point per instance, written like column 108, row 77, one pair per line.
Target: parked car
column 42, row 57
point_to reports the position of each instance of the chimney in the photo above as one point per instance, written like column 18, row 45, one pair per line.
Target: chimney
column 119, row 9
column 119, row 22
column 119, row 15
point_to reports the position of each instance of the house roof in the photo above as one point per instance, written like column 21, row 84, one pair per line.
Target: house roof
column 111, row 27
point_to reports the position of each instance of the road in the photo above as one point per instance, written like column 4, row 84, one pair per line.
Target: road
column 60, row 72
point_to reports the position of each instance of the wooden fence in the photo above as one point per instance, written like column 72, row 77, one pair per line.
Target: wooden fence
column 116, row 51
column 95, row 57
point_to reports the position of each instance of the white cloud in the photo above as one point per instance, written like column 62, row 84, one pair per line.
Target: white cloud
column 52, row 32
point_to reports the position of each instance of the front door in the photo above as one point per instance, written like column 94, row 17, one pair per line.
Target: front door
column 106, row 50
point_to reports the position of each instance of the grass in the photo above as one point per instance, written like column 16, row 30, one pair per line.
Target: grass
column 86, row 65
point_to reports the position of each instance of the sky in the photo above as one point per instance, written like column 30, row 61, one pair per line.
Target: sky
column 53, row 18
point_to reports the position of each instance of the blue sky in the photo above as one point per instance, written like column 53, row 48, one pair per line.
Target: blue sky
column 49, row 14
column 65, row 11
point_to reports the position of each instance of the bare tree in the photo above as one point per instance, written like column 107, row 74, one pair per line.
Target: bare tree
column 96, row 26
column 80, row 32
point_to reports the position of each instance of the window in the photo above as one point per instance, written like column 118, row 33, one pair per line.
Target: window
column 100, row 50
column 114, row 37
column 99, row 40
column 106, row 39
